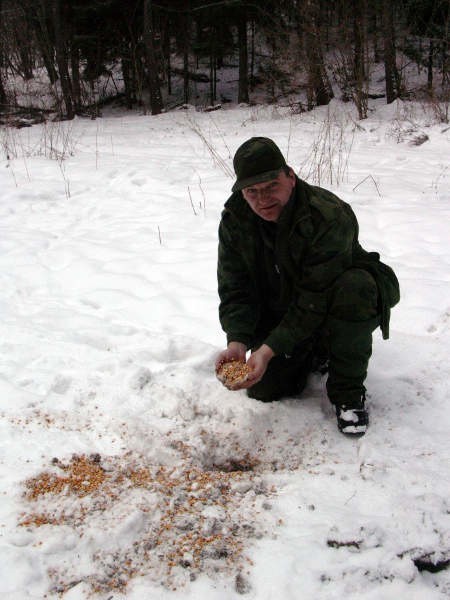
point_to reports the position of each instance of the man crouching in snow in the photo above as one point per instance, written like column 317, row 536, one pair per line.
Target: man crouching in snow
column 296, row 287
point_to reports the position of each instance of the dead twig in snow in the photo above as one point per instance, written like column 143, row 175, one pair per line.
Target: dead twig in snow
column 220, row 162
column 192, row 204
column 203, row 192
column 365, row 179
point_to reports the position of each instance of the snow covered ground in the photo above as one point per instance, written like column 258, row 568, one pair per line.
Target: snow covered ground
column 127, row 470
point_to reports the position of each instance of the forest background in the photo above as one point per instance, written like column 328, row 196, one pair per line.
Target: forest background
column 73, row 56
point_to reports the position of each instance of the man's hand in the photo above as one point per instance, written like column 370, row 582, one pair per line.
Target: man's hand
column 258, row 362
column 234, row 351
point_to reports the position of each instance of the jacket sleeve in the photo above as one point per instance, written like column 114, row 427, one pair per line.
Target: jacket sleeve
column 238, row 308
column 330, row 236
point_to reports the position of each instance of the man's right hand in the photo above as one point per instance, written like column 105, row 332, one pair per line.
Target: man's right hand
column 234, row 351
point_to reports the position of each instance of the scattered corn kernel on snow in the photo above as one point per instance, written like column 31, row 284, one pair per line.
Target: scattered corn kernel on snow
column 127, row 469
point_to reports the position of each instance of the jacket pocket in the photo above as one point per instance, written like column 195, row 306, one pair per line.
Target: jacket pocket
column 387, row 283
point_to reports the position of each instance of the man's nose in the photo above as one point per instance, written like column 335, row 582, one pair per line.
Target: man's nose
column 263, row 193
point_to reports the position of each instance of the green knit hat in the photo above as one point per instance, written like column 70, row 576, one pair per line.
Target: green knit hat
column 258, row 159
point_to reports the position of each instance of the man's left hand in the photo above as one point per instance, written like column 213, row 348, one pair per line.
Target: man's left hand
column 258, row 362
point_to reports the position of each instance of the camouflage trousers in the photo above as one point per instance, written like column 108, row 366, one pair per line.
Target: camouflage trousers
column 345, row 339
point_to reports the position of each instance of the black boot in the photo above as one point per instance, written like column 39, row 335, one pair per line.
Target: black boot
column 352, row 419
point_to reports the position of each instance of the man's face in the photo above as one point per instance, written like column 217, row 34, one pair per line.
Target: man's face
column 268, row 199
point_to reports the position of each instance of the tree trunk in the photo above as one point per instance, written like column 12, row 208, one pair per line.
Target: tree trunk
column 243, row 57
column 319, row 88
column 445, row 70
column 359, row 71
column 156, row 104
column 252, row 56
column 75, row 68
column 61, row 43
column 169, row 72
column 358, row 36
column 374, row 22
column 49, row 66
column 430, row 67
column 2, row 87
column 23, row 40
column 325, row 22
column 2, row 92
column 271, row 43
column 212, row 64
column 445, row 58
column 390, row 66
column 186, row 39
column 129, row 81
column 40, row 18
column 166, row 53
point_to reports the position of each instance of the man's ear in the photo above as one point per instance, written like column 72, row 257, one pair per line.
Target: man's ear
column 292, row 175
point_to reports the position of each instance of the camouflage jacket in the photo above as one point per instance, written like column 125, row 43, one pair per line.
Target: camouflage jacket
column 317, row 239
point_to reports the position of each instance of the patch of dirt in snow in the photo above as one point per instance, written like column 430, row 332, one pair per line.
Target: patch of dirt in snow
column 134, row 517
